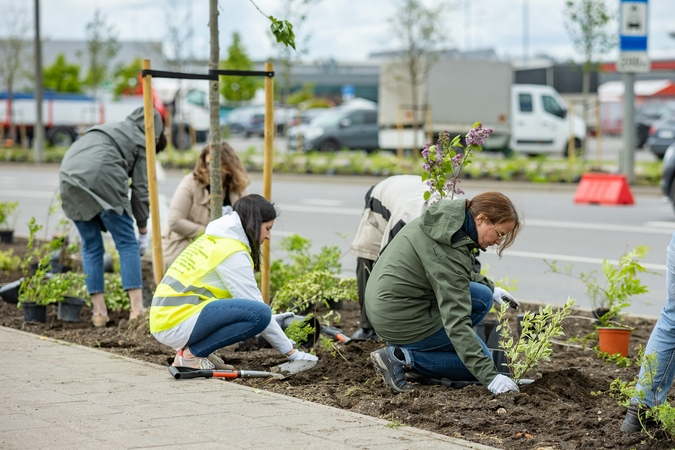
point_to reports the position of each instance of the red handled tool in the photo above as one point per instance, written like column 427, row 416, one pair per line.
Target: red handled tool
column 335, row 333
column 279, row 372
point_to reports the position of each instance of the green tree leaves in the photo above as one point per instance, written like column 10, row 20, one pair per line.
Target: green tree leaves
column 236, row 88
column 62, row 76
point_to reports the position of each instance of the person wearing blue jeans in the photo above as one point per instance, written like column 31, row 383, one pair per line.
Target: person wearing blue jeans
column 94, row 178
column 435, row 356
column 661, row 344
column 424, row 297
column 209, row 297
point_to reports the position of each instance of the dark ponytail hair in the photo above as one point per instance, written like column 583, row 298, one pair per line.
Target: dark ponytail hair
column 254, row 210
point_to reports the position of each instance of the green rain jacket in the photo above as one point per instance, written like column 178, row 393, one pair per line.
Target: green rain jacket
column 95, row 171
column 420, row 283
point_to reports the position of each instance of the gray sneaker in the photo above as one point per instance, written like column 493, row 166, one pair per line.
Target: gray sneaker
column 391, row 369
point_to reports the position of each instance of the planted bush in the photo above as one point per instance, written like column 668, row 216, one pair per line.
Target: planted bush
column 534, row 343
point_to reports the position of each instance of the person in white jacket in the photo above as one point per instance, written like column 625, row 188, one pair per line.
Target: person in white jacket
column 390, row 204
column 209, row 297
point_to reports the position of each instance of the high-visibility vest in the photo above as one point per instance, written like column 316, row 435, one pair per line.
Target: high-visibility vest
column 181, row 294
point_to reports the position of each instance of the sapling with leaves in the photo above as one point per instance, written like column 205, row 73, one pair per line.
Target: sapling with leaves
column 7, row 210
column 534, row 343
column 443, row 163
column 313, row 289
column 35, row 287
column 621, row 283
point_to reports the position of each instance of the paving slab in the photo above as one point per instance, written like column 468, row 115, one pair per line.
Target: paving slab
column 63, row 396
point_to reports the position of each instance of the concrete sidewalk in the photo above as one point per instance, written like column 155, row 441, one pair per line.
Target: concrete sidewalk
column 56, row 395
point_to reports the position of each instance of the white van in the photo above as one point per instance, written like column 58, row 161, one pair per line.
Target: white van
column 540, row 121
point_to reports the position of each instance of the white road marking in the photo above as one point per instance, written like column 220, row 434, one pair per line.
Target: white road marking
column 6, row 193
column 320, row 210
column 322, row 202
column 670, row 225
column 569, row 258
column 597, row 226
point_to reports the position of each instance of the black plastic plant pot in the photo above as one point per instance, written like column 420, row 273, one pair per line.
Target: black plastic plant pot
column 7, row 236
column 10, row 291
column 69, row 309
column 33, row 312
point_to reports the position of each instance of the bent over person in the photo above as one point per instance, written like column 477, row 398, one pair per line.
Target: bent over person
column 424, row 298
column 209, row 297
column 390, row 204
column 94, row 182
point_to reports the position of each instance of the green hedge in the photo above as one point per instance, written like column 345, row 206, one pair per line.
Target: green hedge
column 383, row 163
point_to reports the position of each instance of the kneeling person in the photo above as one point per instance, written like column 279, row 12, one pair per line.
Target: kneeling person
column 209, row 298
column 424, row 298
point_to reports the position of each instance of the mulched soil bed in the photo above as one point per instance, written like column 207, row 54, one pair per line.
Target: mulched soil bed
column 555, row 412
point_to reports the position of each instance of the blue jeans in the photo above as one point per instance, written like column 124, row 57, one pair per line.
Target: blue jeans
column 436, row 357
column 122, row 230
column 226, row 322
column 661, row 343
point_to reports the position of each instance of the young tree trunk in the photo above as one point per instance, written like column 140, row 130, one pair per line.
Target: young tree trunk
column 585, row 91
column 214, row 112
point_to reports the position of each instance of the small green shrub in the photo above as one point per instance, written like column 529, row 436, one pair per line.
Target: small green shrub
column 621, row 283
column 534, row 343
column 115, row 297
column 7, row 210
column 9, row 261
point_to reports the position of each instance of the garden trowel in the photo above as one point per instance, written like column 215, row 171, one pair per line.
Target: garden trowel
column 279, row 372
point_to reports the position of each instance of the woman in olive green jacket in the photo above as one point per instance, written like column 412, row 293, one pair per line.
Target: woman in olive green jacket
column 423, row 297
column 190, row 209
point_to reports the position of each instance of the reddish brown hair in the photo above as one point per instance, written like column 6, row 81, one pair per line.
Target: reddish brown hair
column 499, row 209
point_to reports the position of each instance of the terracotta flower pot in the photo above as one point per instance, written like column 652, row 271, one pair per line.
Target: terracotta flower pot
column 614, row 340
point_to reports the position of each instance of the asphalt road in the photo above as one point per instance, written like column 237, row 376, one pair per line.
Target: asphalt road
column 327, row 210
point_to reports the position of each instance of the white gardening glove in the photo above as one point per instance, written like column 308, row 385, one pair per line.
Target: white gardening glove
column 302, row 356
column 500, row 296
column 143, row 243
column 226, row 210
column 279, row 318
column 502, row 384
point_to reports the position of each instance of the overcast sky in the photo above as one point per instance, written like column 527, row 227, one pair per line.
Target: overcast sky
column 347, row 30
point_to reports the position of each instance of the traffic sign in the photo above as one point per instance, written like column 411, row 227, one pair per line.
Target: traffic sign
column 633, row 37
column 347, row 92
column 633, row 62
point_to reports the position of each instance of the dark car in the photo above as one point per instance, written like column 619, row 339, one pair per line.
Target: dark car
column 335, row 129
column 662, row 135
column 248, row 121
column 646, row 117
column 668, row 175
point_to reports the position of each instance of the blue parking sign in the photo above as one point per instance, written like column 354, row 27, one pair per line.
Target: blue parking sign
column 347, row 92
column 633, row 27
column 633, row 37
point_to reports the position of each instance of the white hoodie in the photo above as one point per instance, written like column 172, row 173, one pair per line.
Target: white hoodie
column 234, row 274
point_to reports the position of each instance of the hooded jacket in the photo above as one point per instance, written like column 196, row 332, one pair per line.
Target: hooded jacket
column 233, row 275
column 95, row 171
column 390, row 205
column 420, row 283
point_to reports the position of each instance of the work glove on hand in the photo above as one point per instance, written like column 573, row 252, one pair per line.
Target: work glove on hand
column 279, row 318
column 226, row 210
column 143, row 243
column 502, row 384
column 500, row 296
column 302, row 356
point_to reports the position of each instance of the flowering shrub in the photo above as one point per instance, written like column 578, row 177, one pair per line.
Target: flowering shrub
column 442, row 164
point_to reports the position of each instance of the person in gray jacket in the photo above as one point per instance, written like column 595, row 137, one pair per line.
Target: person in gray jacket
column 94, row 183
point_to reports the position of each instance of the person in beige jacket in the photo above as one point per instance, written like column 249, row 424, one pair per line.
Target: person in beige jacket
column 190, row 209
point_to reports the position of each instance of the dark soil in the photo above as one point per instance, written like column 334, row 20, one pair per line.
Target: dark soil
column 557, row 411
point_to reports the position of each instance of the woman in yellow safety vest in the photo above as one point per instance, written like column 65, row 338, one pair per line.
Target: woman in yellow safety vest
column 209, row 298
